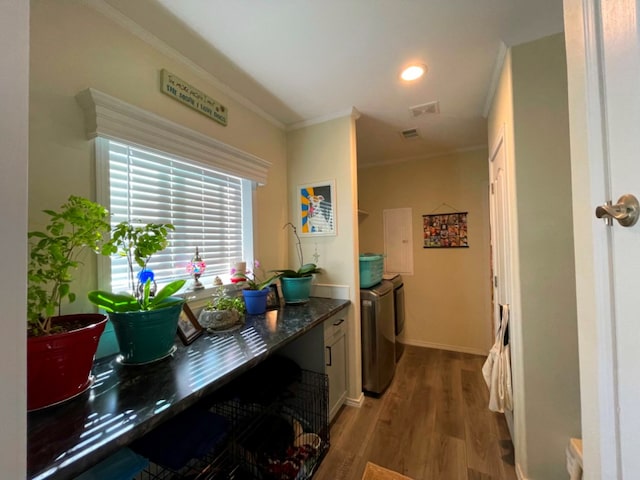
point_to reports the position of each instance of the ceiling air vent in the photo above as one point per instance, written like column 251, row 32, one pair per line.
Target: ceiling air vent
column 409, row 133
column 431, row 107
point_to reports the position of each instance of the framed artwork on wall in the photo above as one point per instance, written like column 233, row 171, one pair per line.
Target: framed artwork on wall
column 317, row 208
column 447, row 230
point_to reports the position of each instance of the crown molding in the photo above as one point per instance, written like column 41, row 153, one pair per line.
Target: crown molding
column 348, row 112
column 131, row 26
column 495, row 78
column 112, row 118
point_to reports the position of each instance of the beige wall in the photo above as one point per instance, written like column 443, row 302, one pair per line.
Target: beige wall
column 547, row 404
column 74, row 47
column 448, row 299
column 322, row 152
column 14, row 80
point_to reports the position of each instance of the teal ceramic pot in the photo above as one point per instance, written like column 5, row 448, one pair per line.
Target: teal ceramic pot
column 146, row 336
column 255, row 301
column 296, row 290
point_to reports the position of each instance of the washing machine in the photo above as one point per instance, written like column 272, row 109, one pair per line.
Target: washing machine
column 378, row 337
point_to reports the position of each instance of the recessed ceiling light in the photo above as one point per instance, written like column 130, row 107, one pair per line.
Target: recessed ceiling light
column 413, row 72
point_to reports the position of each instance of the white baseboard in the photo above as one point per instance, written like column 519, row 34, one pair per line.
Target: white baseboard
column 355, row 402
column 440, row 346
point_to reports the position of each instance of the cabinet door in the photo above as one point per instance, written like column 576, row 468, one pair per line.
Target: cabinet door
column 336, row 370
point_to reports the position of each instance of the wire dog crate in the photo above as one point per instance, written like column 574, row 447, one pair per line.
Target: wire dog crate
column 289, row 439
column 281, row 435
column 210, row 467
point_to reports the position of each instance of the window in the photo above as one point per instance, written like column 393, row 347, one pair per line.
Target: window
column 210, row 210
column 173, row 174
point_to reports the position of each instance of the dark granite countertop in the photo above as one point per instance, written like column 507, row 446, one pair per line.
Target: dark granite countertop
column 125, row 402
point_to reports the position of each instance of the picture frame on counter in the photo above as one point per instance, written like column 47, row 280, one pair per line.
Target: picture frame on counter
column 188, row 327
column 273, row 297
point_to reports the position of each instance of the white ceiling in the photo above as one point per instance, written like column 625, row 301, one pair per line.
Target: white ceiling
column 302, row 60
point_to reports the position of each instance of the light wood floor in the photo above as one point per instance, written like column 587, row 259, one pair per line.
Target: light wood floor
column 431, row 423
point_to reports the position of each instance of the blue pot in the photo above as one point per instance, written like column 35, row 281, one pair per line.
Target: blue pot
column 147, row 335
column 255, row 301
column 296, row 289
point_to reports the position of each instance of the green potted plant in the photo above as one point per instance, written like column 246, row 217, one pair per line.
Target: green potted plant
column 255, row 291
column 61, row 348
column 296, row 284
column 145, row 324
column 222, row 312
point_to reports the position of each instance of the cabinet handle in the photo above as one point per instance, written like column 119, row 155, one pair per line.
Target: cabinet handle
column 338, row 322
column 330, row 359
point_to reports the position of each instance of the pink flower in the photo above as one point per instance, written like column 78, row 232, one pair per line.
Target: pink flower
column 251, row 278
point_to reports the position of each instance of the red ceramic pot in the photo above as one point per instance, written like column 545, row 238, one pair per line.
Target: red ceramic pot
column 59, row 365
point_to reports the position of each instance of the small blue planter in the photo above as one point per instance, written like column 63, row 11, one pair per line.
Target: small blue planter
column 296, row 289
column 255, row 301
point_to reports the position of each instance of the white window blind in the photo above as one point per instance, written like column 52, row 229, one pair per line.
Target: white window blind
column 205, row 206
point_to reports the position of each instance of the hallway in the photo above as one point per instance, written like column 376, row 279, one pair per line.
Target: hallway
column 432, row 423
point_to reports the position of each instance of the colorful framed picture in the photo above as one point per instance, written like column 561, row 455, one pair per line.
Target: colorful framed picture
column 317, row 208
column 188, row 327
column 448, row 230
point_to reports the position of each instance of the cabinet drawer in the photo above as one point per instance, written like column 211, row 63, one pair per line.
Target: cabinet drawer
column 335, row 327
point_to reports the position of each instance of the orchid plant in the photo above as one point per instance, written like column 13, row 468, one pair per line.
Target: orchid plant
column 251, row 279
column 138, row 244
column 306, row 269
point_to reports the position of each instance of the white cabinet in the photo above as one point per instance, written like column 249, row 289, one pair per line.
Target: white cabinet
column 335, row 352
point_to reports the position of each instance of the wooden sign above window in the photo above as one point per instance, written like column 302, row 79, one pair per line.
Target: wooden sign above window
column 177, row 88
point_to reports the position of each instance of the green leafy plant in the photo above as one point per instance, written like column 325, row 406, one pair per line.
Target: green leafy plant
column 250, row 279
column 79, row 225
column 137, row 244
column 222, row 301
column 305, row 269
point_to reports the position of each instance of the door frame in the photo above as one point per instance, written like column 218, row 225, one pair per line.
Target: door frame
column 590, row 186
column 512, row 286
column 505, row 283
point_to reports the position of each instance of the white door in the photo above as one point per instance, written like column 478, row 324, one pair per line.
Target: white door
column 500, row 243
column 603, row 58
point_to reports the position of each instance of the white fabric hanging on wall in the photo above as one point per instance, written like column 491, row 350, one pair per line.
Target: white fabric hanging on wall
column 497, row 369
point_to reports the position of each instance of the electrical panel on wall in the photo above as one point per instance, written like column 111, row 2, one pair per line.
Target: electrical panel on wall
column 398, row 241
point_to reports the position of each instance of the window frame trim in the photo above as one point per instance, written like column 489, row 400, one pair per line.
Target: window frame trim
column 115, row 119
column 109, row 118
